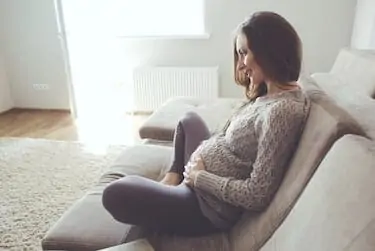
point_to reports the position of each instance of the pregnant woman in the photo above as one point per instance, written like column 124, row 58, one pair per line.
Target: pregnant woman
column 215, row 178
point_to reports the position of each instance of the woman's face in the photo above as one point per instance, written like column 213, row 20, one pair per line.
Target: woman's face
column 246, row 61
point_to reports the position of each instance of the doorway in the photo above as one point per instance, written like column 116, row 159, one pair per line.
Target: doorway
column 100, row 81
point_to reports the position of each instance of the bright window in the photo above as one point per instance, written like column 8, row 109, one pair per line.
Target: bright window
column 135, row 18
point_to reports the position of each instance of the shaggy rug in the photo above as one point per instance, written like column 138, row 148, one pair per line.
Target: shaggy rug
column 39, row 180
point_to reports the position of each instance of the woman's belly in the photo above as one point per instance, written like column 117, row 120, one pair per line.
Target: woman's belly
column 220, row 160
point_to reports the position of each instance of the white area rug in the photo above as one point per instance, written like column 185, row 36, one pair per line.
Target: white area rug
column 39, row 180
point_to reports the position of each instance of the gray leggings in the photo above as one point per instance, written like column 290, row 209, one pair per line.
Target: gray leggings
column 173, row 209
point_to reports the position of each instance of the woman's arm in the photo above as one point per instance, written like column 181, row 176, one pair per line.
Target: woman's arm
column 277, row 142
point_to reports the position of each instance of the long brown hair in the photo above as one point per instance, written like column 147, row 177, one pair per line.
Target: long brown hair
column 276, row 47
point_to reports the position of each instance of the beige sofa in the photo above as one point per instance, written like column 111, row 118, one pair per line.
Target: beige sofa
column 326, row 200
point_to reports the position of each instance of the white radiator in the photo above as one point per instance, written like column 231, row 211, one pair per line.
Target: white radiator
column 154, row 85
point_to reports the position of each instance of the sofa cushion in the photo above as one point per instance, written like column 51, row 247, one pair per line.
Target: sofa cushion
column 150, row 161
column 336, row 210
column 87, row 225
column 161, row 124
column 355, row 69
column 326, row 123
column 137, row 245
column 365, row 240
column 213, row 242
column 157, row 142
column 360, row 106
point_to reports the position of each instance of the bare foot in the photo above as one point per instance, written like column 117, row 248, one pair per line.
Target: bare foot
column 171, row 179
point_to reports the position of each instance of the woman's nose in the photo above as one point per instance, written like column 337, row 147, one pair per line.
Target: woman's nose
column 244, row 62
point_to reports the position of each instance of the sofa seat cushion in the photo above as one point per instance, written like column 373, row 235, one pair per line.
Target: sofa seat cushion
column 137, row 245
column 212, row 242
column 161, row 124
column 326, row 123
column 146, row 160
column 336, row 210
column 87, row 225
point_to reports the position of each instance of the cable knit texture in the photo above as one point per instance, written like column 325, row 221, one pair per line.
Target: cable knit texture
column 245, row 164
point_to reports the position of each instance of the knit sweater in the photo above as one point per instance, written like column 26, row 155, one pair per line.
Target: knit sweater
column 245, row 163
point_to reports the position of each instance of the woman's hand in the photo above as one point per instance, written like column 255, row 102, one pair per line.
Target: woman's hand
column 192, row 168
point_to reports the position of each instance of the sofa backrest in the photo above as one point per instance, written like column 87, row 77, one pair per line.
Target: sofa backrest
column 326, row 123
column 336, row 209
column 356, row 70
column 351, row 83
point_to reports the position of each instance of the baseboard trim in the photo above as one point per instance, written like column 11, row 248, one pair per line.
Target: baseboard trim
column 19, row 109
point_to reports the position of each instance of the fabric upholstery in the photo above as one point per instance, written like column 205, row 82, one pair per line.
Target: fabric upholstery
column 351, row 83
column 157, row 142
column 359, row 105
column 365, row 240
column 150, row 161
column 326, row 123
column 355, row 69
column 138, row 245
column 336, row 210
column 161, row 124
column 214, row 242
column 87, row 225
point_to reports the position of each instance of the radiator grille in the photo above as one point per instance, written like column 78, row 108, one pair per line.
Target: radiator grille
column 154, row 85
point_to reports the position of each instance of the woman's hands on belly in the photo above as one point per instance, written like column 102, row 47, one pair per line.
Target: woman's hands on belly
column 192, row 168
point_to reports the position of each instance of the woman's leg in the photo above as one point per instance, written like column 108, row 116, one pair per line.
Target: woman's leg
column 191, row 130
column 143, row 202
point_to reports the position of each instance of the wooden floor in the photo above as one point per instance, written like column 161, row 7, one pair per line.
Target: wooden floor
column 59, row 125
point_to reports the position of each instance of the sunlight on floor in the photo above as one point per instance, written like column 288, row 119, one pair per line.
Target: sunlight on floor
column 102, row 81
column 102, row 92
column 98, row 134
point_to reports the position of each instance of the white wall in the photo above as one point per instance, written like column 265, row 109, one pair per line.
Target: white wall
column 34, row 53
column 364, row 25
column 324, row 26
column 6, row 101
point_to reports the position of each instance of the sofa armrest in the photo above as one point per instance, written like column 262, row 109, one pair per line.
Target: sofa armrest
column 138, row 245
